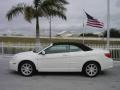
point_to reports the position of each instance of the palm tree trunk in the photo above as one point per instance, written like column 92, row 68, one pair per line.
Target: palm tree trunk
column 37, row 32
column 37, row 28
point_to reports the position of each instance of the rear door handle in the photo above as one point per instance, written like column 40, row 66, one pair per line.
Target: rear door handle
column 65, row 55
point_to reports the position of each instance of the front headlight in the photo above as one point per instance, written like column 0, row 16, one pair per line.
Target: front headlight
column 13, row 59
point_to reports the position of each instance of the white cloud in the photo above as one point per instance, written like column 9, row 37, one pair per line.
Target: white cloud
column 118, row 3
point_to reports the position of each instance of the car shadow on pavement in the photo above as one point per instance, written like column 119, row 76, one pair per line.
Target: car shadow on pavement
column 103, row 73
column 14, row 73
column 60, row 74
column 52, row 73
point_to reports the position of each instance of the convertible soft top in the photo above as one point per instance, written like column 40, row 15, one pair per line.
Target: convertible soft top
column 82, row 46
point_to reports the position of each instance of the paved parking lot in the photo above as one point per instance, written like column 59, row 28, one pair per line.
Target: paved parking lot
column 107, row 80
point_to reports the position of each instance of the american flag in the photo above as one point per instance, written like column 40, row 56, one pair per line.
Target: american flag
column 91, row 21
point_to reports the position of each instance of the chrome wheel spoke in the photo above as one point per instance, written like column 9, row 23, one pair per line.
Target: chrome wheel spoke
column 91, row 69
column 26, row 69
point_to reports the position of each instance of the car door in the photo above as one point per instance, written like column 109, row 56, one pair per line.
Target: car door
column 78, row 57
column 55, row 59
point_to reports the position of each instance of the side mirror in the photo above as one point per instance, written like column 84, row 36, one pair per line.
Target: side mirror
column 43, row 52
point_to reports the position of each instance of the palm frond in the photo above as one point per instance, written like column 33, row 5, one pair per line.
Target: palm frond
column 54, row 8
column 57, row 1
column 59, row 4
column 59, row 7
column 57, row 13
column 29, row 13
column 16, row 10
column 62, row 1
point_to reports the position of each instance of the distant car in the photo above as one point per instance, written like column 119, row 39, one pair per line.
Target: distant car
column 62, row 57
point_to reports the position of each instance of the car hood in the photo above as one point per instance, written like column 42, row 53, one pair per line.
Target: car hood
column 25, row 55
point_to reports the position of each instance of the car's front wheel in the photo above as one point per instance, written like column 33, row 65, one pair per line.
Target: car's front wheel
column 26, row 68
column 91, row 69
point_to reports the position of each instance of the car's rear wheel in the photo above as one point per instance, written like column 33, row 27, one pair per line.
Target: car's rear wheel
column 91, row 69
column 27, row 68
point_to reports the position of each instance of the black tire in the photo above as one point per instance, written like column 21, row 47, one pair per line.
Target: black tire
column 91, row 69
column 26, row 68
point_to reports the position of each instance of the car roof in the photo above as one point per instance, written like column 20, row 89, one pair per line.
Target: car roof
column 82, row 46
column 69, row 43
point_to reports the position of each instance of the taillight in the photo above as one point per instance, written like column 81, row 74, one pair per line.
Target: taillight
column 108, row 55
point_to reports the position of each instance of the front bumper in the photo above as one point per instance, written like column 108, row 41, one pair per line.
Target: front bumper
column 13, row 66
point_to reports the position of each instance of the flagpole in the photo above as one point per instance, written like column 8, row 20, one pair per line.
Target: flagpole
column 83, row 32
column 108, row 24
column 83, row 35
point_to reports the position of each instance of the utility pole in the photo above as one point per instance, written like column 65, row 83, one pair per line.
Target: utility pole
column 108, row 24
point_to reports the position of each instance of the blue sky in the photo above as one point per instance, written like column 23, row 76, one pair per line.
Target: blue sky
column 75, row 14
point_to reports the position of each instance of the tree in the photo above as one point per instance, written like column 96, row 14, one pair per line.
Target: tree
column 39, row 9
column 113, row 33
column 89, row 35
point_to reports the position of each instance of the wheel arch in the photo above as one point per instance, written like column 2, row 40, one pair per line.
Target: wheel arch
column 26, row 61
column 91, row 61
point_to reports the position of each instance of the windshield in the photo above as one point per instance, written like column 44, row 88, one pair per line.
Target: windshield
column 38, row 49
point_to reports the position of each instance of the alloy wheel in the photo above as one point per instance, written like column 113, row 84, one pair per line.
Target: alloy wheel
column 91, row 69
column 26, row 69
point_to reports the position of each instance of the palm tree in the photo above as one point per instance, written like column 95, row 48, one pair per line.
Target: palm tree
column 39, row 9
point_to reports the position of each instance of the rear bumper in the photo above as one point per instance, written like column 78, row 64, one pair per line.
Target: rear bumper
column 108, row 64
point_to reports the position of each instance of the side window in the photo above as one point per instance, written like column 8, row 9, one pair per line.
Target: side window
column 57, row 49
column 74, row 48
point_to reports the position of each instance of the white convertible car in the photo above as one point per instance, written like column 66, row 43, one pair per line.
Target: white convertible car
column 62, row 57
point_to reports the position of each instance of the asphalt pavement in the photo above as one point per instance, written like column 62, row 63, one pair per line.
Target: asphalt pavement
column 9, row 80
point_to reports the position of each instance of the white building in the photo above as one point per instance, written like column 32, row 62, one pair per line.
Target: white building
column 64, row 34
